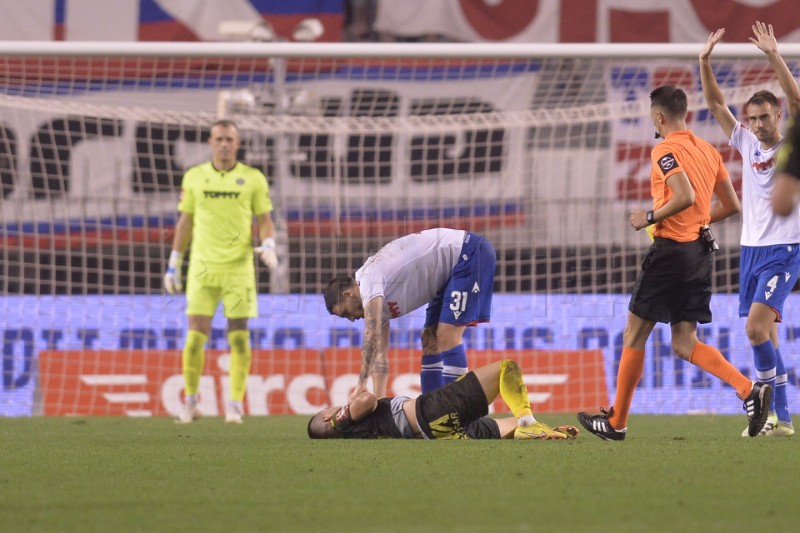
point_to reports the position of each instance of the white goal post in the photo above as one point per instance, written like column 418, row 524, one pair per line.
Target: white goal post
column 543, row 148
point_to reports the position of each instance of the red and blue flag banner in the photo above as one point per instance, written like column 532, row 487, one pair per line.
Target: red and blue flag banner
column 550, row 21
column 159, row 20
column 586, row 21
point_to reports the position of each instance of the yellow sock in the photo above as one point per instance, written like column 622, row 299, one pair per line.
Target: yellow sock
column 241, row 356
column 193, row 360
column 513, row 389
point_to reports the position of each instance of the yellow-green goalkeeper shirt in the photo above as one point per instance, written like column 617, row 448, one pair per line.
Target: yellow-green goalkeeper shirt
column 223, row 205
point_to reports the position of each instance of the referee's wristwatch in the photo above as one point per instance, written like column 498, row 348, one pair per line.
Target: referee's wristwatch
column 651, row 217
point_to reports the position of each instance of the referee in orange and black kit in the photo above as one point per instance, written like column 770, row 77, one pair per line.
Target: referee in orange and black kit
column 674, row 285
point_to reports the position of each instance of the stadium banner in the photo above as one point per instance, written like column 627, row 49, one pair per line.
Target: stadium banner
column 107, row 165
column 550, row 21
column 633, row 137
column 159, row 20
column 601, row 21
column 149, row 382
column 295, row 335
column 609, row 179
column 415, row 168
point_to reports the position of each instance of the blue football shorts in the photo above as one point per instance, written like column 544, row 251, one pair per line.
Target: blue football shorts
column 466, row 298
column 767, row 275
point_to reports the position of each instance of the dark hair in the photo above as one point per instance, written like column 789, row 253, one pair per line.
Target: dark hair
column 318, row 428
column 671, row 99
column 334, row 289
column 763, row 97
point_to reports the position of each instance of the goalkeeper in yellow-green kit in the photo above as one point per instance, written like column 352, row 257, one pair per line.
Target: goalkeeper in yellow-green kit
column 218, row 201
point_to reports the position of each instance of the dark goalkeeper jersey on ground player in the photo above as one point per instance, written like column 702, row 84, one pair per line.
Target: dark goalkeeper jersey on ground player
column 379, row 424
column 223, row 205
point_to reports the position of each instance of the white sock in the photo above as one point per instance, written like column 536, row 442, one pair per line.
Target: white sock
column 191, row 399
column 525, row 421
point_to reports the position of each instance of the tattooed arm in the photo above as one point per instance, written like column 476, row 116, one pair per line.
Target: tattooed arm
column 373, row 352
column 380, row 366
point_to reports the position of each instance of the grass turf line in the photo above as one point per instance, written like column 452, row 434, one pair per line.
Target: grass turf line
column 692, row 473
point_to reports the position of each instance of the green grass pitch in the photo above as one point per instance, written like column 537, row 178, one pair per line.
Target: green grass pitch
column 692, row 473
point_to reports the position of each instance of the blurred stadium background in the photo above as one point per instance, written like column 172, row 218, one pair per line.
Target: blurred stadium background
column 525, row 121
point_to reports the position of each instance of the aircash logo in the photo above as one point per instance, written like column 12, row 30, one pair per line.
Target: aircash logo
column 150, row 383
column 300, row 381
column 221, row 194
column 122, row 382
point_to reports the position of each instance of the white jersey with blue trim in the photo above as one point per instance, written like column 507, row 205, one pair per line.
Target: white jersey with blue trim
column 760, row 225
column 408, row 272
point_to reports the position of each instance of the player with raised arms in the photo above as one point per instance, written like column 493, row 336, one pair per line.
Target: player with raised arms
column 770, row 244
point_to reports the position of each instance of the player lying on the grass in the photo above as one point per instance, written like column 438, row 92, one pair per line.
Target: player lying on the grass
column 456, row 411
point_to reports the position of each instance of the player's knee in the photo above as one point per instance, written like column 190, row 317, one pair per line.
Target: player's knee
column 195, row 341
column 683, row 348
column 448, row 336
column 429, row 345
column 510, row 365
column 756, row 333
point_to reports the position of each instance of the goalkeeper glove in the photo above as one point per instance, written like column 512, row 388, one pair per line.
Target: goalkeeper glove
column 268, row 255
column 172, row 278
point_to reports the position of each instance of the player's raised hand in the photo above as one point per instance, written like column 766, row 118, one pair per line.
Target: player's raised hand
column 267, row 253
column 172, row 278
column 764, row 37
column 712, row 41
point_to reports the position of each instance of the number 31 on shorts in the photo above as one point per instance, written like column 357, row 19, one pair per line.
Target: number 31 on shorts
column 459, row 304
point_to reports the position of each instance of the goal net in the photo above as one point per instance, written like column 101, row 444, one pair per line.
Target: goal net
column 543, row 149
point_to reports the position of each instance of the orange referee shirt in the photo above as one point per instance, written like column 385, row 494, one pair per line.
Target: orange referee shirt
column 702, row 163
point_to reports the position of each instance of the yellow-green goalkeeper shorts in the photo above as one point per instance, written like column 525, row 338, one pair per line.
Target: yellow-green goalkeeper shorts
column 236, row 289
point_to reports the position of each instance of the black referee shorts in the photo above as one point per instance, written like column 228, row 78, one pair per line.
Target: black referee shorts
column 674, row 284
column 448, row 412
